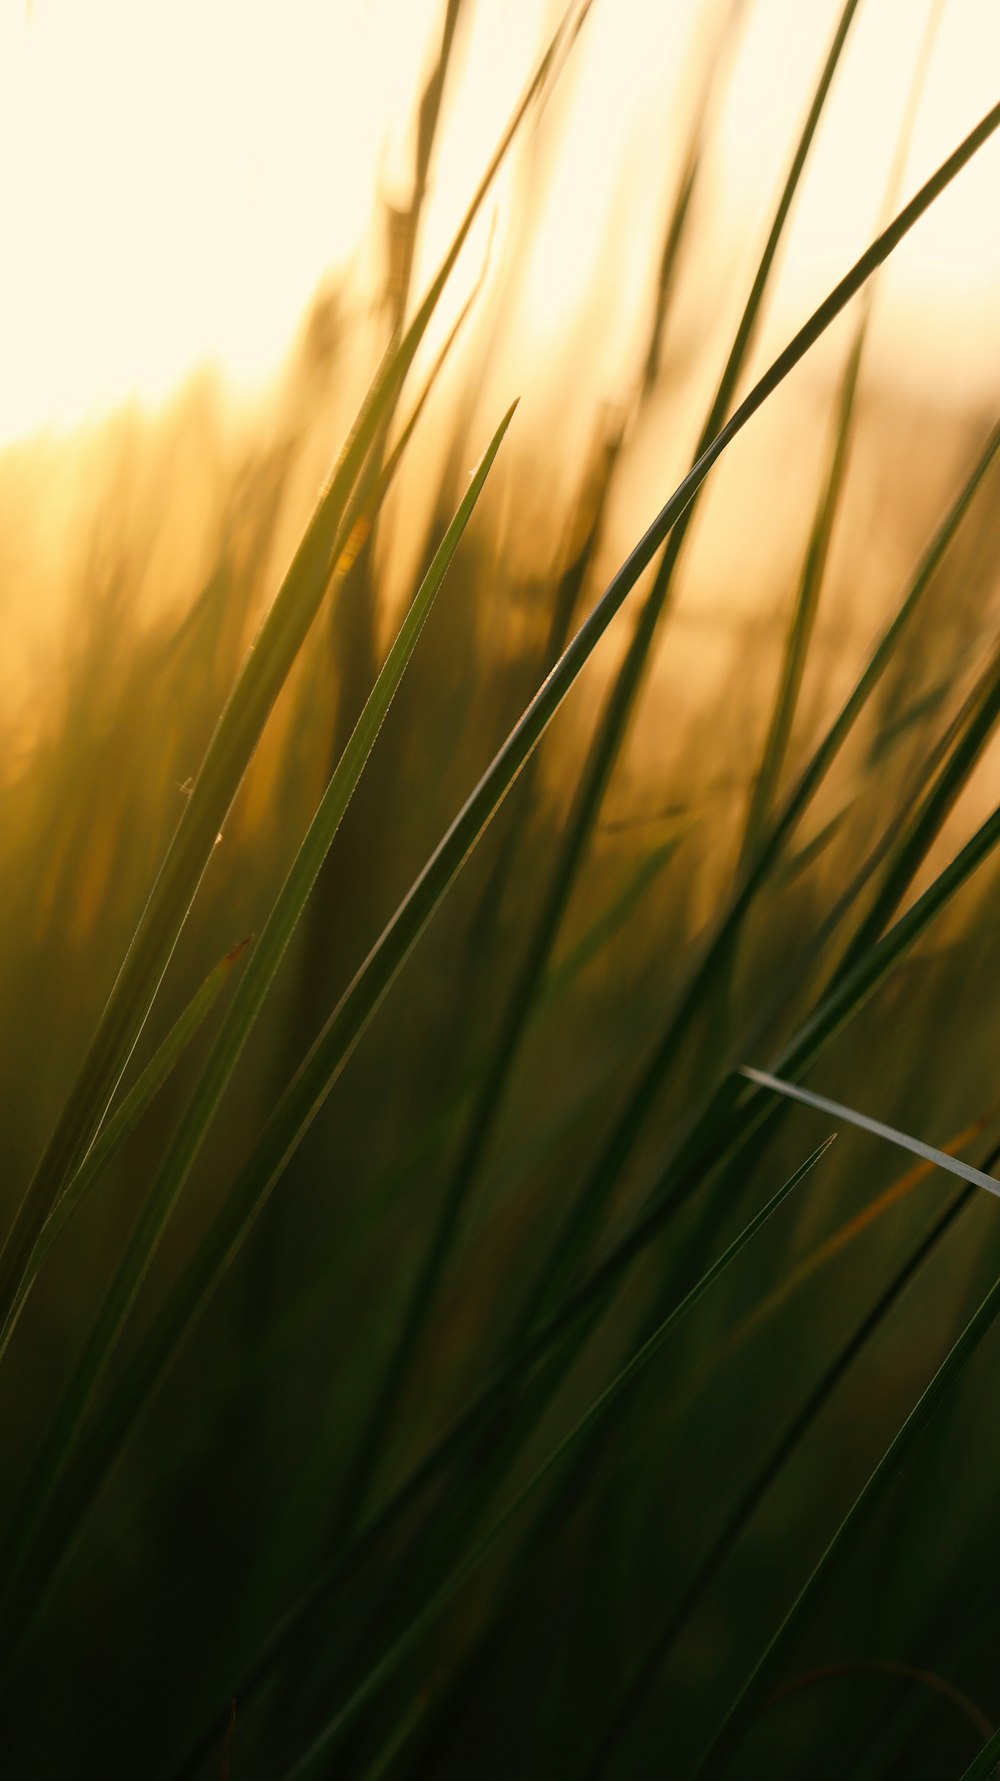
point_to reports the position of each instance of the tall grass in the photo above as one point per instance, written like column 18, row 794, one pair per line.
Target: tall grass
column 419, row 1355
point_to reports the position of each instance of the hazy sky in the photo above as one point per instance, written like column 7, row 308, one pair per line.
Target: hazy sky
column 177, row 175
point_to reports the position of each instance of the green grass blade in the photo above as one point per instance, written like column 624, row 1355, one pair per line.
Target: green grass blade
column 984, row 1766
column 716, row 1759
column 232, row 1036
column 806, row 605
column 122, row 1122
column 584, row 534
column 306, row 1093
column 232, row 746
column 929, row 817
column 622, row 1383
column 612, row 919
column 795, row 865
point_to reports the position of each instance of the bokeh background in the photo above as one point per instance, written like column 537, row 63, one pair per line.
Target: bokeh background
column 213, row 216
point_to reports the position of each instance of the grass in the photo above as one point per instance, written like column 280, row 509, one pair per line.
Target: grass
column 377, row 1410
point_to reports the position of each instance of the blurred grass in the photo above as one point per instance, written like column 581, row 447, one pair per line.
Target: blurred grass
column 360, row 1457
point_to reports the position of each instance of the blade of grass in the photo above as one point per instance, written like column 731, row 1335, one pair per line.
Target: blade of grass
column 352, row 627
column 984, row 1766
column 308, row 1089
column 806, row 604
column 865, row 1123
column 885, row 1749
column 622, row 1382
column 931, row 813
column 612, row 919
column 913, row 714
column 125, row 1118
column 584, row 535
column 593, row 783
column 233, row 744
column 232, row 1036
column 798, row 863
column 900, row 1672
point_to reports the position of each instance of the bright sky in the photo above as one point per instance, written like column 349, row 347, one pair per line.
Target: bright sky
column 176, row 176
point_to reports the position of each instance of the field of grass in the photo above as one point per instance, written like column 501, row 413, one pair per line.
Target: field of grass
column 425, row 1350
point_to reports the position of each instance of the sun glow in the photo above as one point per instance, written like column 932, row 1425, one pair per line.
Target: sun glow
column 176, row 180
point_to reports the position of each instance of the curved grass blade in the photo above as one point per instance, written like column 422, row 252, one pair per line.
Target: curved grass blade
column 190, row 1133
column 716, row 1758
column 622, row 1383
column 122, row 1122
column 234, row 741
column 900, row 1672
column 306, row 1093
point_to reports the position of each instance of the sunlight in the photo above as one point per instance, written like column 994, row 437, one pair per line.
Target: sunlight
column 176, row 181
